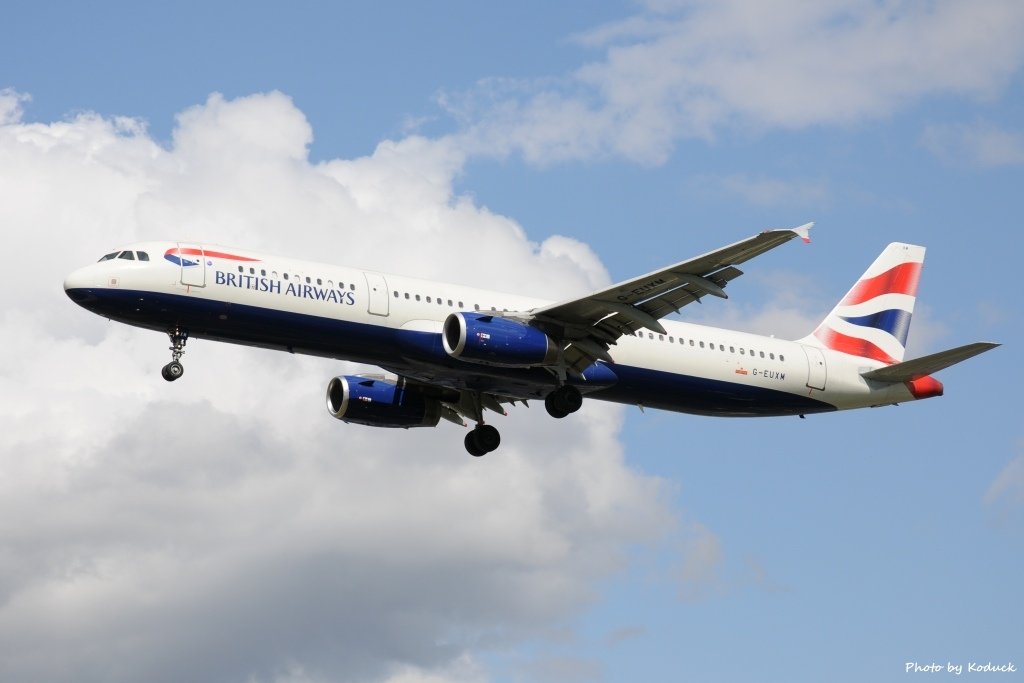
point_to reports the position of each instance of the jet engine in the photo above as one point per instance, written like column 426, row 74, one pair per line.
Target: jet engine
column 493, row 340
column 380, row 403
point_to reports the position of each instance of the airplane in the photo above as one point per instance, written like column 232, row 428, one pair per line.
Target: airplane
column 453, row 352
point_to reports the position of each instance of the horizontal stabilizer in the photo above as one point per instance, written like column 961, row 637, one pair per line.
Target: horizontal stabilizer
column 922, row 367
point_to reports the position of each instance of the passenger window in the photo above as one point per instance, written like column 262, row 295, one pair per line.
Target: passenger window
column 772, row 355
column 319, row 281
column 461, row 305
column 407, row 296
column 263, row 272
column 476, row 307
column 285, row 275
column 661, row 337
column 143, row 256
column 671, row 340
column 721, row 347
column 691, row 343
column 352, row 287
column 252, row 271
column 702, row 345
column 742, row 352
column 429, row 301
column 762, row 354
column 782, row 358
column 308, row 280
column 449, row 303
column 396, row 293
column 126, row 255
column 242, row 270
column 417, row 297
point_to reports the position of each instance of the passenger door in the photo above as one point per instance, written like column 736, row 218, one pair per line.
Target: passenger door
column 193, row 265
column 377, row 287
column 816, row 369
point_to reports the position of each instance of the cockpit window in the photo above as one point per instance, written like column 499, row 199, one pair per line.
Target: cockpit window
column 143, row 256
column 107, row 257
column 127, row 255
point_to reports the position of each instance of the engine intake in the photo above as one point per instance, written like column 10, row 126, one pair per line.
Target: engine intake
column 493, row 340
column 380, row 403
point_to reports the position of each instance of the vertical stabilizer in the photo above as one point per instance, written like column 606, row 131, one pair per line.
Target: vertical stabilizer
column 873, row 319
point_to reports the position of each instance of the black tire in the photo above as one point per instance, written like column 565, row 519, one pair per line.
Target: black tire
column 552, row 405
column 472, row 446
column 572, row 397
column 172, row 371
column 488, row 438
column 563, row 401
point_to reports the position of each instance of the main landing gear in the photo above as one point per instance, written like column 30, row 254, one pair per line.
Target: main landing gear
column 562, row 401
column 175, row 369
column 482, row 439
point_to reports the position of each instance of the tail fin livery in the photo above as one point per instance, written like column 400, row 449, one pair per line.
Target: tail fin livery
column 873, row 319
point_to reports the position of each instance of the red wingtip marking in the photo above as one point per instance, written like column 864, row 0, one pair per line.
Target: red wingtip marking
column 925, row 387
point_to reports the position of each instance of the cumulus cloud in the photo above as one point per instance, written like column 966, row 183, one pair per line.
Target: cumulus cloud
column 692, row 68
column 223, row 527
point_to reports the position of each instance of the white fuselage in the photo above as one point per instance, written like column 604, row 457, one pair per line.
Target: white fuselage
column 394, row 321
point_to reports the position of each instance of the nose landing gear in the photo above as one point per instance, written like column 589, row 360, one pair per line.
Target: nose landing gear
column 175, row 369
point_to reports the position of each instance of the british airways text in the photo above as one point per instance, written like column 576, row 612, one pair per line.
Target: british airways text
column 266, row 284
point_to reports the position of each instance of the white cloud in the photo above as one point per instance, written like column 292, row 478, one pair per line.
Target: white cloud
column 980, row 144
column 763, row 191
column 699, row 571
column 689, row 69
column 1008, row 486
column 10, row 105
column 1005, row 495
column 223, row 527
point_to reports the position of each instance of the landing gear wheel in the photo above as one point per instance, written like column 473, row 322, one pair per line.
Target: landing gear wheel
column 472, row 446
column 563, row 401
column 482, row 440
column 172, row 371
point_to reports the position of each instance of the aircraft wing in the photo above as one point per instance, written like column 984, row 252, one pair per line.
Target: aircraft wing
column 590, row 324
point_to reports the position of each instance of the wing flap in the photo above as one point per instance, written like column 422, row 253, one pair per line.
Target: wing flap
column 917, row 368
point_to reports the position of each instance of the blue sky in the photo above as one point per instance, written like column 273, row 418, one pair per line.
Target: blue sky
column 461, row 141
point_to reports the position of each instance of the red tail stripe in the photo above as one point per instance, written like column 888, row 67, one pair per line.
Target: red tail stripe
column 838, row 341
column 901, row 279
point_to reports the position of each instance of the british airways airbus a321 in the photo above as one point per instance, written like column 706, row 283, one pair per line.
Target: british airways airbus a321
column 454, row 352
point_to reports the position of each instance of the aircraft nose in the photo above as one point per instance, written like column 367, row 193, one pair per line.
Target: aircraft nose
column 77, row 285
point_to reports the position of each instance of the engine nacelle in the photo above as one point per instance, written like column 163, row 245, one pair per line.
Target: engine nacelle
column 493, row 340
column 380, row 403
